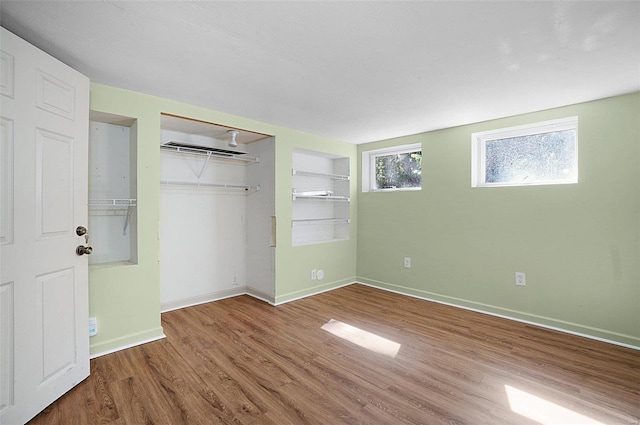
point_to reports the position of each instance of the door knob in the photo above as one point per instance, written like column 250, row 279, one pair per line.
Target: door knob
column 82, row 231
column 82, row 250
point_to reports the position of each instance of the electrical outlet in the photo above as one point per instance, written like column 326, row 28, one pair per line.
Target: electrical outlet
column 314, row 274
column 521, row 279
column 320, row 274
column 93, row 326
column 407, row 262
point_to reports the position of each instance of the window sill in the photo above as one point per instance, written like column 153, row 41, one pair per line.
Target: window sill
column 402, row 189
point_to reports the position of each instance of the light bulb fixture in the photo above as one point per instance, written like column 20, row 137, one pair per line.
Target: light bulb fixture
column 233, row 133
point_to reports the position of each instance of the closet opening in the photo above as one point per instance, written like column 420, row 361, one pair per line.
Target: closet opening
column 217, row 201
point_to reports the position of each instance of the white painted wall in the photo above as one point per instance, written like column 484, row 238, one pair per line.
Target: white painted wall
column 260, row 208
column 202, row 245
column 214, row 243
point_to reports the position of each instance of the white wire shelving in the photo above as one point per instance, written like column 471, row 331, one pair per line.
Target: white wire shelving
column 117, row 206
column 210, row 154
column 222, row 186
column 319, row 221
column 316, row 195
column 319, row 175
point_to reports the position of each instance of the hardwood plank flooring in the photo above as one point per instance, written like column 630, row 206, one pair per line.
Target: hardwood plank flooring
column 241, row 361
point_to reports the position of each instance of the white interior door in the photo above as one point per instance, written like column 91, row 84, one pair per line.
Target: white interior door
column 44, row 348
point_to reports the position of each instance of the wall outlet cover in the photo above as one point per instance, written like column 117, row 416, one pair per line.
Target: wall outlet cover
column 521, row 279
column 93, row 326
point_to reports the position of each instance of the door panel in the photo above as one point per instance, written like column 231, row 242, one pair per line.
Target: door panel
column 44, row 293
column 55, row 292
column 6, row 353
column 6, row 74
column 6, row 181
column 55, row 95
column 54, row 184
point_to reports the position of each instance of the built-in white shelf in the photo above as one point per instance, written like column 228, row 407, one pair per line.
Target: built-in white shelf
column 320, row 198
column 319, row 221
column 319, row 175
column 111, row 204
column 330, row 198
column 240, row 187
column 118, row 207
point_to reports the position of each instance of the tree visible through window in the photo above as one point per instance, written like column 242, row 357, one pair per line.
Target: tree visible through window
column 394, row 168
column 399, row 170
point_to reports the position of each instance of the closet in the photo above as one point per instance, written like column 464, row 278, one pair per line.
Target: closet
column 113, row 219
column 217, row 203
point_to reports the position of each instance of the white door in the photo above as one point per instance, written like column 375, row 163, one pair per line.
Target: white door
column 44, row 121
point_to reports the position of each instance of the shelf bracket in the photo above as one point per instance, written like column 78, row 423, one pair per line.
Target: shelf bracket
column 206, row 161
column 126, row 220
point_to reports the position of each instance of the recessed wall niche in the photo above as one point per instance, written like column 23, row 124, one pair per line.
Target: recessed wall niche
column 321, row 188
column 113, row 218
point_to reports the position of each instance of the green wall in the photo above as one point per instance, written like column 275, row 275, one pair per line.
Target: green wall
column 294, row 263
column 578, row 244
column 126, row 298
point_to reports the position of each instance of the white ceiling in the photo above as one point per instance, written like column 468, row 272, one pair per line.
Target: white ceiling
column 355, row 71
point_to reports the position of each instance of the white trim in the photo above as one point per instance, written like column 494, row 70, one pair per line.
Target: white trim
column 528, row 322
column 478, row 149
column 397, row 189
column 202, row 299
column 411, row 147
column 259, row 295
column 277, row 303
column 527, row 129
column 124, row 347
column 368, row 159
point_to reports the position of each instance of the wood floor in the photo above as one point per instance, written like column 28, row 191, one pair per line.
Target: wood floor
column 241, row 361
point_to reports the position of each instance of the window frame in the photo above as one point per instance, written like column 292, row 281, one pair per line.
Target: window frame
column 480, row 139
column 368, row 166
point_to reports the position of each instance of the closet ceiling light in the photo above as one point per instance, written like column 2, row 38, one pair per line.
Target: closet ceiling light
column 232, row 142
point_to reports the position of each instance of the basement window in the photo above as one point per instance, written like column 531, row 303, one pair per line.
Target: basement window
column 391, row 169
column 536, row 154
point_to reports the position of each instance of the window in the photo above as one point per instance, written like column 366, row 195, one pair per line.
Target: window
column 397, row 168
column 541, row 153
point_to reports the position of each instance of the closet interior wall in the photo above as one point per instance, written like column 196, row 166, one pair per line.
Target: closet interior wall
column 261, row 232
column 112, row 225
column 215, row 241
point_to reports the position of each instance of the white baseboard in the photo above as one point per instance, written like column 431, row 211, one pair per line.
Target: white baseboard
column 202, row 299
column 262, row 296
column 128, row 341
column 584, row 331
column 297, row 295
column 123, row 343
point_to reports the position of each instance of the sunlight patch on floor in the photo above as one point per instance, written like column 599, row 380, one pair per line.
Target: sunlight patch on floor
column 362, row 338
column 543, row 411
